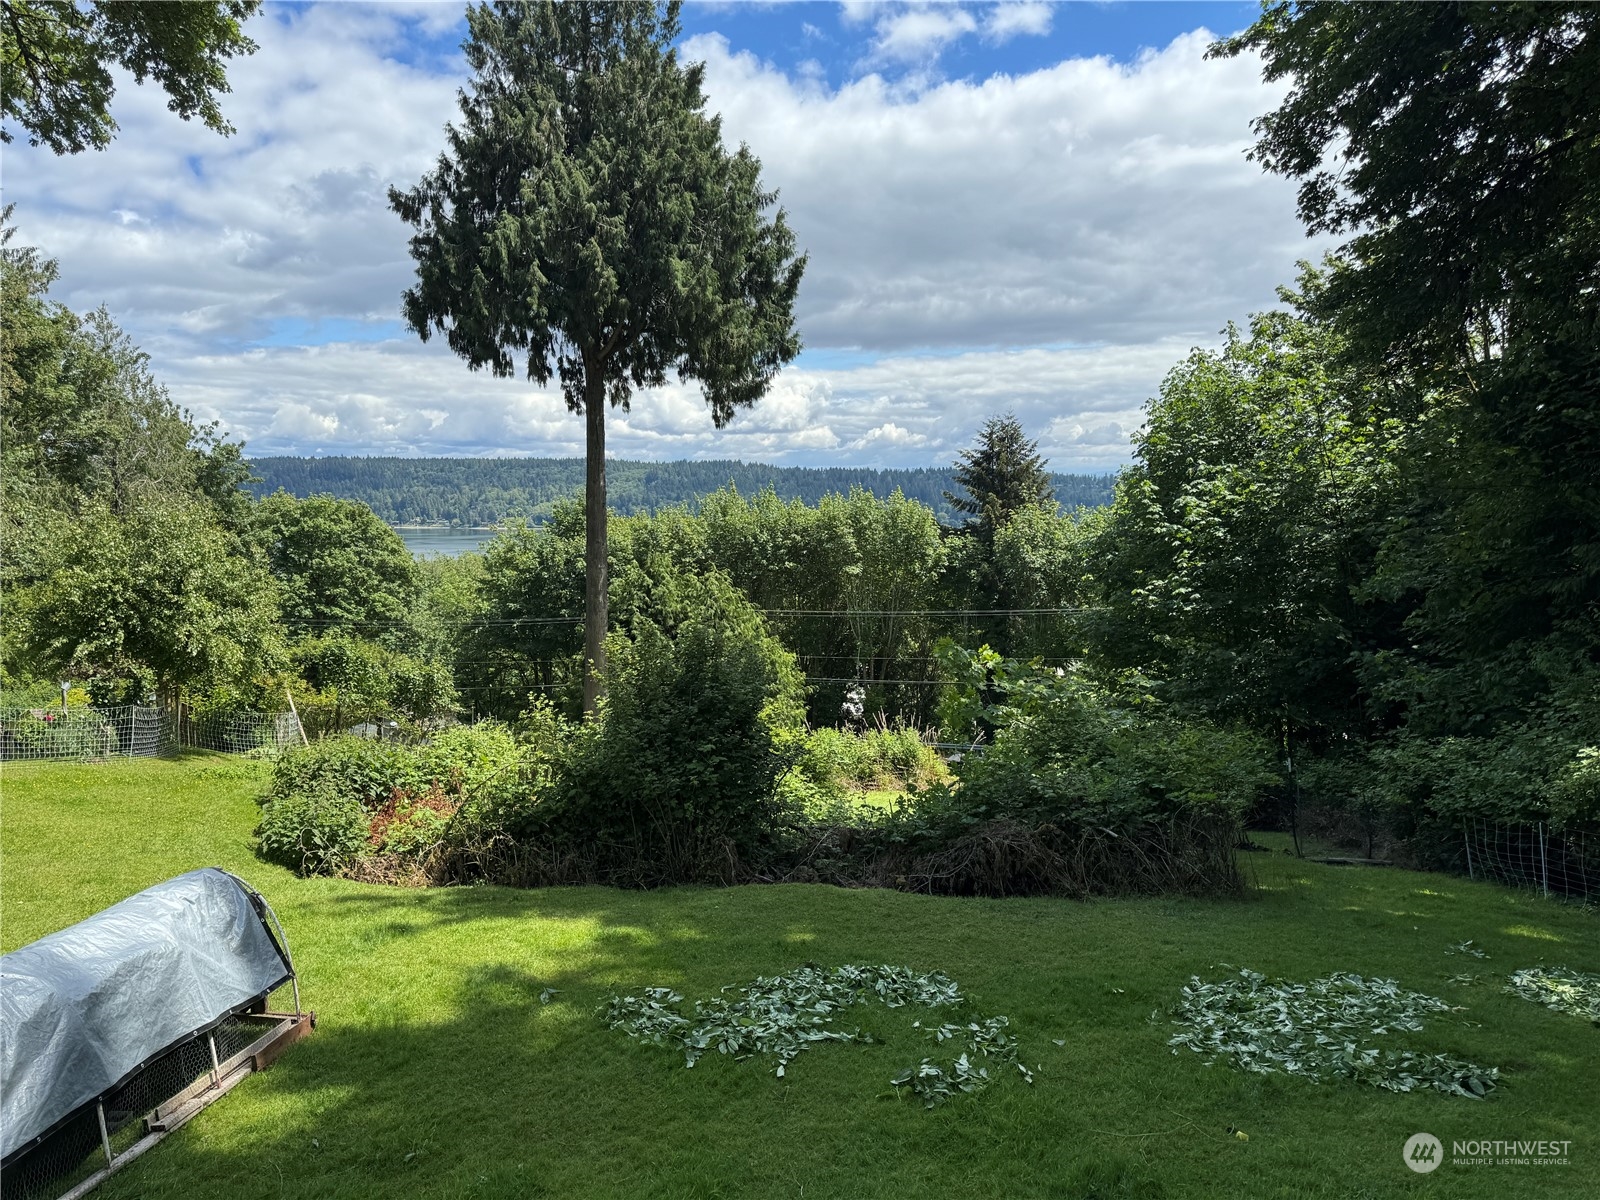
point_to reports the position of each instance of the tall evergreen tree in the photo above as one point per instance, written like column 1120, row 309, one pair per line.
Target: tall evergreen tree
column 586, row 216
column 1004, row 472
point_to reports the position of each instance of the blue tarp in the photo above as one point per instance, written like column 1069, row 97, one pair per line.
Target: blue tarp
column 84, row 1008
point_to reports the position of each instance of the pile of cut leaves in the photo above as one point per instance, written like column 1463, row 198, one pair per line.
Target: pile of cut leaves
column 781, row 1016
column 1574, row 992
column 1319, row 1030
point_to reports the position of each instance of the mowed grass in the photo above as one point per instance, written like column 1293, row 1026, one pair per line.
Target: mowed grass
column 436, row 1072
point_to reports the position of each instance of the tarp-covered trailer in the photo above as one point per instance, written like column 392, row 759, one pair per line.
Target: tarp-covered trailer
column 119, row 1029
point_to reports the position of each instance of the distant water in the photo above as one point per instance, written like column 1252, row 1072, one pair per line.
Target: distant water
column 449, row 542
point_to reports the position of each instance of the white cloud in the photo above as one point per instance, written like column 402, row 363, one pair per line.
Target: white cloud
column 1090, row 202
column 1030, row 18
column 405, row 398
column 1050, row 242
column 856, row 12
column 919, row 33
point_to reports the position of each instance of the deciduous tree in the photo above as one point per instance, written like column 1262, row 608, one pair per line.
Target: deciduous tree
column 339, row 567
column 56, row 59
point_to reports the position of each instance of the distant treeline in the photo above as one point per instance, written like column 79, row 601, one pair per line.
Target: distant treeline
column 487, row 491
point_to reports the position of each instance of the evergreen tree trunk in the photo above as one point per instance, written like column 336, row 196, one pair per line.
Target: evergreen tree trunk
column 595, row 578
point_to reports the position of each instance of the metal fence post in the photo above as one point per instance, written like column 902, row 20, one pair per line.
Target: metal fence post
column 1466, row 840
column 1544, row 864
column 105, row 1137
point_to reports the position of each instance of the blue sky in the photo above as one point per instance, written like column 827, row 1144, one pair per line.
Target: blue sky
column 1016, row 206
column 838, row 37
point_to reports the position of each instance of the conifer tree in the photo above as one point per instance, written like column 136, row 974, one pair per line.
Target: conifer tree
column 1004, row 472
column 586, row 217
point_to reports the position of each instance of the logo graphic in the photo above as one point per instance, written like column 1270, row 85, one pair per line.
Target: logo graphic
column 1422, row 1152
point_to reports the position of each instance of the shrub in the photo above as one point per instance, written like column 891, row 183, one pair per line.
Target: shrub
column 677, row 779
column 464, row 759
column 836, row 759
column 356, row 768
column 1084, row 792
column 1575, row 798
column 408, row 795
column 412, row 825
column 317, row 831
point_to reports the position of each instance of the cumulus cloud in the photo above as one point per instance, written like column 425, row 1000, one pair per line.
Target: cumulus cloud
column 405, row 398
column 1091, row 202
column 1017, row 18
column 217, row 238
column 1049, row 242
column 919, row 33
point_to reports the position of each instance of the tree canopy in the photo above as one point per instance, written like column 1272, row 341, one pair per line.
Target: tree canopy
column 1468, row 144
column 340, row 568
column 159, row 595
column 1457, row 143
column 56, row 58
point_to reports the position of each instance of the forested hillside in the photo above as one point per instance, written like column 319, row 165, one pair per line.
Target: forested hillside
column 486, row 491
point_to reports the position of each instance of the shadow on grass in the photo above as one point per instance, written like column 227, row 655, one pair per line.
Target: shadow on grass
column 491, row 1092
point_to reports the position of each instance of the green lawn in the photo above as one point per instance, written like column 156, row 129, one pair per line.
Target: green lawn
column 435, row 1071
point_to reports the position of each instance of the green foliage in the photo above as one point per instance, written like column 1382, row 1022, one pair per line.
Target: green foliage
column 362, row 770
column 350, row 681
column 122, row 566
column 461, row 760
column 1068, row 753
column 1315, row 1030
column 1456, row 626
column 833, row 760
column 58, row 56
column 629, row 241
column 84, row 421
column 843, row 584
column 407, row 794
column 587, row 218
column 160, row 589
column 1003, row 474
column 1575, row 795
column 468, row 759
column 415, row 829
column 1560, row 989
column 316, row 830
column 532, row 597
column 1232, row 557
column 339, row 568
column 1040, row 560
column 1466, row 151
column 783, row 1016
column 450, row 601
column 676, row 779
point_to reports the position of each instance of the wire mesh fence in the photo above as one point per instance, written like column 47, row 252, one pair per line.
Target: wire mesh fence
column 137, row 731
column 112, row 1131
column 238, row 732
column 129, row 730
column 1556, row 862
